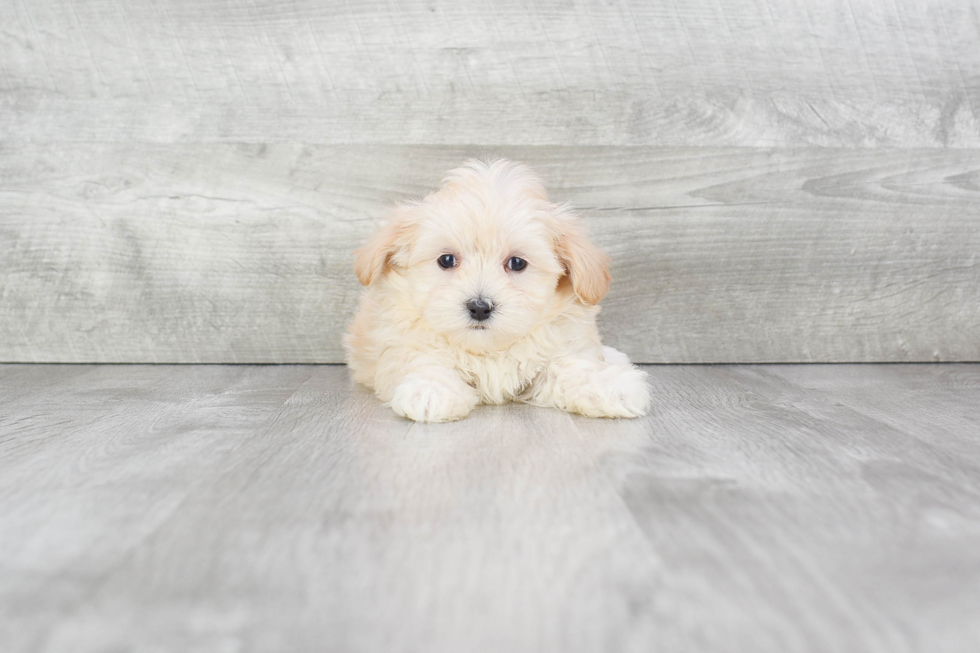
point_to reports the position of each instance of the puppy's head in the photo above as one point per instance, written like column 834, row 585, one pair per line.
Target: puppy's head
column 483, row 259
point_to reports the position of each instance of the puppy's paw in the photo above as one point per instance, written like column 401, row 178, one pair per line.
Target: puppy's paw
column 626, row 392
column 434, row 397
column 612, row 391
column 614, row 356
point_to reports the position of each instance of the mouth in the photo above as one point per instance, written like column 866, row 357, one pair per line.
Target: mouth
column 479, row 327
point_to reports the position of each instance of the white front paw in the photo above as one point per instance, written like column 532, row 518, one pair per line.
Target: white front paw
column 627, row 392
column 616, row 391
column 436, row 397
column 614, row 356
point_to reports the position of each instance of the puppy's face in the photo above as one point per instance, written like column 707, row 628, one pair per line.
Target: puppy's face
column 481, row 260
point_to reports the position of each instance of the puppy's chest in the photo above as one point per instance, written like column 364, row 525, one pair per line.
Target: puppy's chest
column 499, row 378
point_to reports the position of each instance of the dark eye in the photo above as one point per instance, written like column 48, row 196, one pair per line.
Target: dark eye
column 447, row 261
column 516, row 264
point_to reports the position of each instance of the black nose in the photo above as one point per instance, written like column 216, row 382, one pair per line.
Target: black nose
column 480, row 309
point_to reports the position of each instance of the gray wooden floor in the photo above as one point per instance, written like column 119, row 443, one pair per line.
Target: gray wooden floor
column 251, row 508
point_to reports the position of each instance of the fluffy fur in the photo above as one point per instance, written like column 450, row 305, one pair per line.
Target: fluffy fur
column 414, row 341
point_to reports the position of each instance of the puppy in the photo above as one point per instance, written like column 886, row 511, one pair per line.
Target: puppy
column 485, row 291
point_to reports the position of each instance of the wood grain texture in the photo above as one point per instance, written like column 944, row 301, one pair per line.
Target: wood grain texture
column 770, row 73
column 779, row 509
column 241, row 253
column 183, row 181
column 75, row 501
column 747, row 472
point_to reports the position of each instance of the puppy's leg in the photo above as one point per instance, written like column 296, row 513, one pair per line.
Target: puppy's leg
column 591, row 387
column 423, row 389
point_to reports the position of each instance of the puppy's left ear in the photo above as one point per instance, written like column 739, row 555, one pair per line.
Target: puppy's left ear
column 586, row 265
column 377, row 255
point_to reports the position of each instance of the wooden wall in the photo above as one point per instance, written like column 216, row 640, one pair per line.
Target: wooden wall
column 185, row 180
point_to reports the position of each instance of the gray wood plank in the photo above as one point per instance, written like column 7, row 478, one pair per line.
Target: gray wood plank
column 714, row 118
column 823, row 526
column 745, row 73
column 940, row 404
column 94, row 459
column 241, row 253
column 773, row 508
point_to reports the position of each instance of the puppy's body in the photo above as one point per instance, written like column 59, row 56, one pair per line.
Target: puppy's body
column 433, row 339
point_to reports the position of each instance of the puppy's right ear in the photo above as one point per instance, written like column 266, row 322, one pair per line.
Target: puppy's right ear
column 375, row 257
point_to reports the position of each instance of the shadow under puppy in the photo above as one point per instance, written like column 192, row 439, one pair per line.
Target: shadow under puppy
column 485, row 291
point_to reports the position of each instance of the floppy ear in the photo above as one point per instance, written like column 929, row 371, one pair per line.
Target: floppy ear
column 586, row 265
column 375, row 257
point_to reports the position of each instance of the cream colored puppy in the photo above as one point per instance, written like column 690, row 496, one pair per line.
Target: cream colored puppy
column 485, row 291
